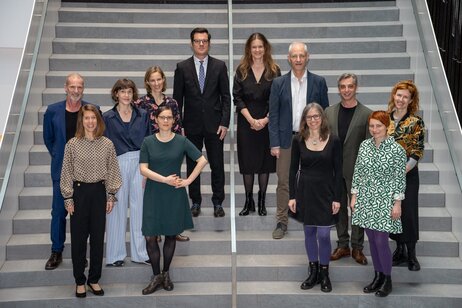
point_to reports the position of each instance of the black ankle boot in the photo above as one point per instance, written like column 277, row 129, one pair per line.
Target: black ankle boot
column 385, row 288
column 313, row 278
column 261, row 204
column 412, row 263
column 326, row 286
column 248, row 206
column 375, row 284
column 399, row 255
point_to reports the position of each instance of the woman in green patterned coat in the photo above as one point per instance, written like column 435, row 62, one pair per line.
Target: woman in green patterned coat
column 377, row 190
column 408, row 130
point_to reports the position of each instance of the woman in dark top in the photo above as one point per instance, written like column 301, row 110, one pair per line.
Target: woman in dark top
column 252, row 84
column 316, row 192
column 165, row 204
column 408, row 129
column 126, row 126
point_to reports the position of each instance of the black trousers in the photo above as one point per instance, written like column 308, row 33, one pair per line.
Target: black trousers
column 410, row 209
column 214, row 148
column 88, row 220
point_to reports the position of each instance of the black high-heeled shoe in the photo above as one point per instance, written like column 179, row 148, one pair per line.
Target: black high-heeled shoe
column 99, row 292
column 80, row 295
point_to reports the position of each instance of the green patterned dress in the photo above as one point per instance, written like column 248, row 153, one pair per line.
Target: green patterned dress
column 379, row 179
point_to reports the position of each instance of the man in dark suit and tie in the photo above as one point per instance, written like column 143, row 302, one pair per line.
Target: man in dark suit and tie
column 59, row 125
column 349, row 121
column 201, row 88
column 290, row 94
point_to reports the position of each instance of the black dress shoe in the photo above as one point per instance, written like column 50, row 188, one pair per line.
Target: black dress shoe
column 218, row 211
column 99, row 292
column 195, row 209
column 118, row 263
column 55, row 259
column 80, row 295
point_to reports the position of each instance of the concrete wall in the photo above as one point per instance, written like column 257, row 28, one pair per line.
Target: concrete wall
column 15, row 18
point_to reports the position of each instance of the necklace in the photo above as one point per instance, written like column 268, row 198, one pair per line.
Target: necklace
column 314, row 142
column 125, row 112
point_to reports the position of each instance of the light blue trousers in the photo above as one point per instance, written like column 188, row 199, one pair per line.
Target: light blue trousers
column 130, row 195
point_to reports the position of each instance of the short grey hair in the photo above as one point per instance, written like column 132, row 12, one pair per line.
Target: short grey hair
column 346, row 76
column 305, row 47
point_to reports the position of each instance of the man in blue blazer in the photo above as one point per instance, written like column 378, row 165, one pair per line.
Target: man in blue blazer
column 201, row 88
column 290, row 93
column 59, row 125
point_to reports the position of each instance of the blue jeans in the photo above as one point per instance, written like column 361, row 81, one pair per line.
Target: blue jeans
column 58, row 220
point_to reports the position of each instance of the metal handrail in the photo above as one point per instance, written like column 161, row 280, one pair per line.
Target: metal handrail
column 451, row 126
column 25, row 99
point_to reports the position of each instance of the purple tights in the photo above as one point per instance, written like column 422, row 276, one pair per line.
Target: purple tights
column 380, row 251
column 317, row 244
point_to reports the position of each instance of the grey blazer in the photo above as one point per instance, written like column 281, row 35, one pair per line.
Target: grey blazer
column 357, row 132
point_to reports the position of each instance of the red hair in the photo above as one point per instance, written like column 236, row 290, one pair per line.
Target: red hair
column 381, row 116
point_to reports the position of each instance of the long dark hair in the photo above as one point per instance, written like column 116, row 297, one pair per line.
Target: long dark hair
column 246, row 61
column 304, row 131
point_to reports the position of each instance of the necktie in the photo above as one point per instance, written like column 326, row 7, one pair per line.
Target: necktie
column 201, row 76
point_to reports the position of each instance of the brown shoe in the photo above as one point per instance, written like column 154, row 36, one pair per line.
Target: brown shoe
column 182, row 238
column 339, row 253
column 55, row 259
column 359, row 257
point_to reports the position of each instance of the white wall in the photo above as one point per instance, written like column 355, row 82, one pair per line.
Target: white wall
column 15, row 16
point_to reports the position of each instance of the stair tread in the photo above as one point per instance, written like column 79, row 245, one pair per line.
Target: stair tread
column 217, row 236
column 115, row 291
column 437, row 212
column 253, row 288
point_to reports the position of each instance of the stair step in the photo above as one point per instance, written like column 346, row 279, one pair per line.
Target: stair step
column 187, row 294
column 442, row 244
column 134, row 46
column 38, row 221
column 40, row 197
column 106, row 79
column 39, row 175
column 197, row 14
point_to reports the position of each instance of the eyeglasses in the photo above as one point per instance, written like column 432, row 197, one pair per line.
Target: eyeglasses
column 198, row 42
column 313, row 117
column 162, row 118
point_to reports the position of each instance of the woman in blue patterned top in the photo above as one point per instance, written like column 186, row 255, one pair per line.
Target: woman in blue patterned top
column 377, row 189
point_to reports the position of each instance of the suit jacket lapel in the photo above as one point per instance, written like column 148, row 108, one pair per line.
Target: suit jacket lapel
column 192, row 68
column 335, row 119
column 288, row 88
column 309, row 87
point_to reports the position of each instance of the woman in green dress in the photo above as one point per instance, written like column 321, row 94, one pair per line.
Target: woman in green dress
column 165, row 203
column 377, row 189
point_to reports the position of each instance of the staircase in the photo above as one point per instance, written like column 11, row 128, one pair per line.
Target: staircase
column 105, row 42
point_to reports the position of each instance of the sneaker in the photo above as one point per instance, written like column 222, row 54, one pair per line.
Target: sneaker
column 280, row 231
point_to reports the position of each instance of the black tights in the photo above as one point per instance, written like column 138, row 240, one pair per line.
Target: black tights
column 263, row 179
column 152, row 246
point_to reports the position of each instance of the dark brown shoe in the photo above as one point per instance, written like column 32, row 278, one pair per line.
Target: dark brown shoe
column 55, row 259
column 167, row 283
column 359, row 257
column 156, row 283
column 182, row 238
column 339, row 253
